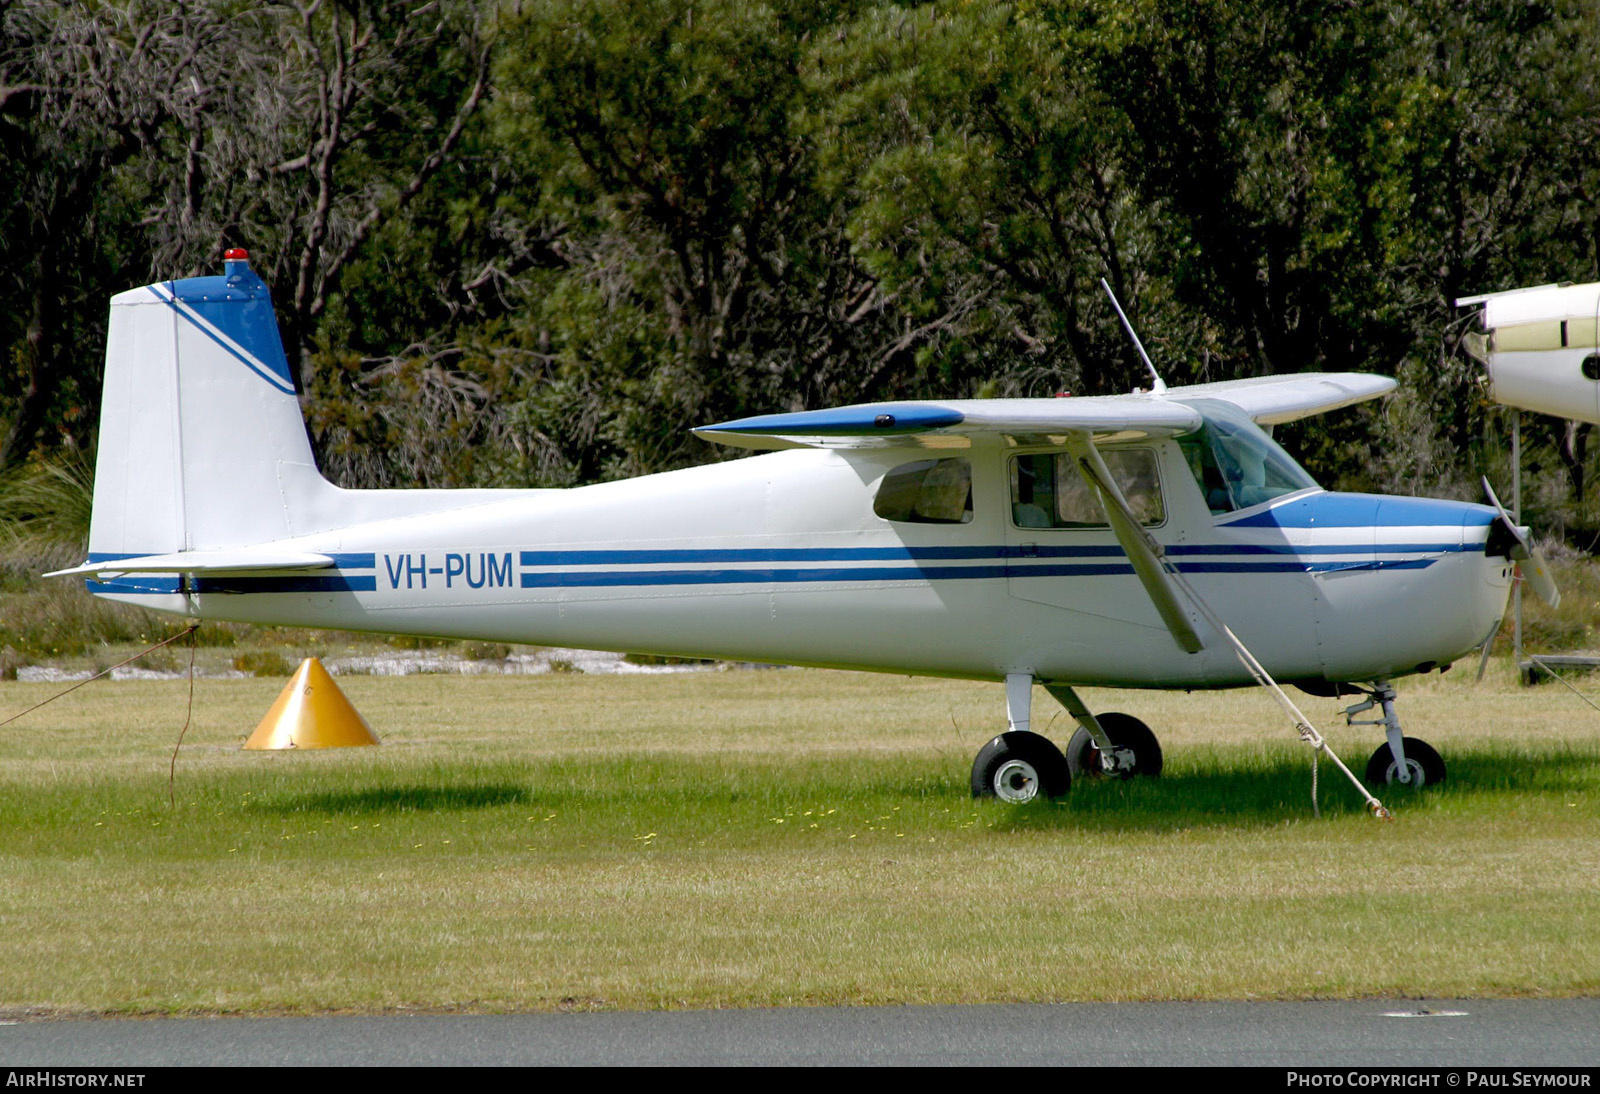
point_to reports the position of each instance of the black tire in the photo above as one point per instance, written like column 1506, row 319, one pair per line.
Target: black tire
column 1420, row 758
column 1125, row 731
column 1019, row 767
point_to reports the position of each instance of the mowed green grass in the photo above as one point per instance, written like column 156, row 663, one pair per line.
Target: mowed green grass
column 773, row 838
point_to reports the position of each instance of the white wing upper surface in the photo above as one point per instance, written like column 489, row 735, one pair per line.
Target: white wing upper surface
column 1271, row 400
column 1268, row 400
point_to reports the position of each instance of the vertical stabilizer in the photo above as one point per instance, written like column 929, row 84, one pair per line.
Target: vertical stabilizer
column 200, row 427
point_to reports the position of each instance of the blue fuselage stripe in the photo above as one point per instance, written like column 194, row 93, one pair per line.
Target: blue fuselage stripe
column 560, row 579
column 151, row 585
column 573, row 579
column 333, row 584
column 141, row 585
column 554, row 569
column 354, row 561
column 631, row 557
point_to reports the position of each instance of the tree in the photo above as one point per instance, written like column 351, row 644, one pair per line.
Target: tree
column 144, row 139
column 84, row 92
column 706, row 274
column 990, row 189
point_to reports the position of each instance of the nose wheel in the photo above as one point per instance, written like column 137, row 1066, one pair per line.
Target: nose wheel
column 1423, row 767
column 1400, row 761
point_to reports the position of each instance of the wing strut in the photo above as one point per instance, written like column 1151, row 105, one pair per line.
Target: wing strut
column 1140, row 546
column 1162, row 579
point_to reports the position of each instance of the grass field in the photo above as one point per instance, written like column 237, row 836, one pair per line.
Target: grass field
column 771, row 838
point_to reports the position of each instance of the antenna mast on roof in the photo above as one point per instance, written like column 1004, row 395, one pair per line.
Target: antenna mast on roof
column 1158, row 385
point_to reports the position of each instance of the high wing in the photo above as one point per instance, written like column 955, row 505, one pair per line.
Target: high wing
column 1273, row 400
column 950, row 423
column 1268, row 400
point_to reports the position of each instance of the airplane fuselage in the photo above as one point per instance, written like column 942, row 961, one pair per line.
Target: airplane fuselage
column 783, row 558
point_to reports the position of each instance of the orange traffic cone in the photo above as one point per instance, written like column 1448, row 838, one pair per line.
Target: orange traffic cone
column 311, row 712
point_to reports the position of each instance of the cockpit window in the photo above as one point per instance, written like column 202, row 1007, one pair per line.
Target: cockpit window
column 927, row 492
column 1048, row 492
column 1235, row 463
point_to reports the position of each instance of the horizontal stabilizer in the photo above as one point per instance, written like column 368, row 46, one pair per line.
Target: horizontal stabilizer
column 202, row 562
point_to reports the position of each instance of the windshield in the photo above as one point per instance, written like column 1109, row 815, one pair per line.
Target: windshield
column 1236, row 464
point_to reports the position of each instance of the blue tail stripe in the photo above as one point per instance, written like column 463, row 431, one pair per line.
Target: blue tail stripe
column 249, row 322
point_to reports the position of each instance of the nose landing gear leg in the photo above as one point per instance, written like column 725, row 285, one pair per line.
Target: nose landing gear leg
column 1401, row 760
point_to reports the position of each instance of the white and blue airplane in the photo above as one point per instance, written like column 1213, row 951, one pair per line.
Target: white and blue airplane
column 1066, row 542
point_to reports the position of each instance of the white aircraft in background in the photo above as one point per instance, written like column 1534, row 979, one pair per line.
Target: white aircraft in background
column 1541, row 348
column 1107, row 541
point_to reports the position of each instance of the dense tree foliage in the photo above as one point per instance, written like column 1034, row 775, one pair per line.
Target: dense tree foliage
column 535, row 242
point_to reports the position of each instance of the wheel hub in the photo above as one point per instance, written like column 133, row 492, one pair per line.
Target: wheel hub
column 1120, row 763
column 1016, row 781
column 1413, row 775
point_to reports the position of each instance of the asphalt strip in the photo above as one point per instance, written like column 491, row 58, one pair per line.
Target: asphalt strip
column 1548, row 1033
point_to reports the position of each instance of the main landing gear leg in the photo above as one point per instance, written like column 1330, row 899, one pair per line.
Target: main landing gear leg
column 1112, row 744
column 1019, row 765
column 1401, row 760
column 1019, row 701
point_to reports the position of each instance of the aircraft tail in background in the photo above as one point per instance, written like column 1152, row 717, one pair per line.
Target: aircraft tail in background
column 1540, row 348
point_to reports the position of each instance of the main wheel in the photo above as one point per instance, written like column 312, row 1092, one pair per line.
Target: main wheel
column 1125, row 731
column 1426, row 768
column 1018, row 767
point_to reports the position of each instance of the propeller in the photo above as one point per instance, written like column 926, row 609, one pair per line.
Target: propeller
column 1530, row 560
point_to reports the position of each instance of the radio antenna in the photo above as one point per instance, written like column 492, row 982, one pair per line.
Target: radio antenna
column 1158, row 386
